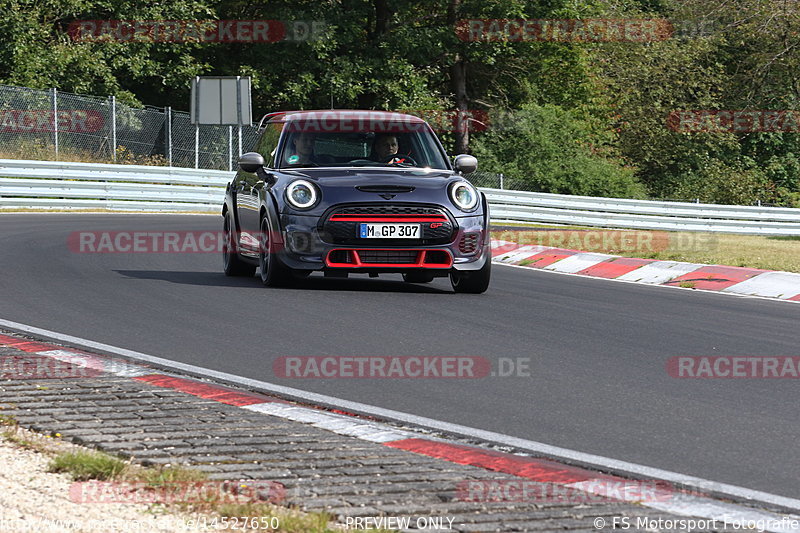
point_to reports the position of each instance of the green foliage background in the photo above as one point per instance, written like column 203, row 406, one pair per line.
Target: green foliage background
column 587, row 118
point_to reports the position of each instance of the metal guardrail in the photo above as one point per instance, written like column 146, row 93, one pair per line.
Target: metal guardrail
column 62, row 185
column 522, row 206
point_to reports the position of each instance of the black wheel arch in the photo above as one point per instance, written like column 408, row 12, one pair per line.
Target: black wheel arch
column 229, row 206
column 269, row 207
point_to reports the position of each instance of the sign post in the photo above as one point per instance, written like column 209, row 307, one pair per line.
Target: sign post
column 221, row 101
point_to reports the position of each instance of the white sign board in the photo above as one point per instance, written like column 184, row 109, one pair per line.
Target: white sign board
column 222, row 100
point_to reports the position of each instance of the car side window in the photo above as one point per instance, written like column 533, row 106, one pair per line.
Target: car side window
column 268, row 142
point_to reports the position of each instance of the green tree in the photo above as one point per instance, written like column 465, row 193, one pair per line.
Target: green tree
column 547, row 148
column 37, row 51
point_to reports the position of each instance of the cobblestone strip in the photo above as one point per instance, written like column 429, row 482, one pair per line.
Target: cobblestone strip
column 320, row 469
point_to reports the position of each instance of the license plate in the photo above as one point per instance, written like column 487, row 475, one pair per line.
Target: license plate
column 389, row 231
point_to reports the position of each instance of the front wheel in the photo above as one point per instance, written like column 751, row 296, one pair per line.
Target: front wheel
column 273, row 272
column 472, row 281
column 231, row 263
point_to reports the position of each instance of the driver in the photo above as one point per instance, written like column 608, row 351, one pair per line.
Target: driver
column 304, row 149
column 385, row 146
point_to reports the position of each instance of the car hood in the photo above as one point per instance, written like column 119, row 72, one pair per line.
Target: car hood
column 350, row 177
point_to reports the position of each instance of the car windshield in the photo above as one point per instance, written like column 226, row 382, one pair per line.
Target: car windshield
column 385, row 147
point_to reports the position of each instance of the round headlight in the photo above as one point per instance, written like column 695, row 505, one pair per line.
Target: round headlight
column 464, row 196
column 301, row 194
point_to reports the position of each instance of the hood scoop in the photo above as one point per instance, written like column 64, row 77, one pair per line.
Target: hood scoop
column 390, row 189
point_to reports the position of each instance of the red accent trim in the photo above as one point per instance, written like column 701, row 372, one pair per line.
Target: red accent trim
column 346, row 413
column 541, row 470
column 795, row 298
column 357, row 263
column 714, row 278
column 498, row 250
column 26, row 345
column 614, row 268
column 548, row 257
column 387, row 218
column 210, row 392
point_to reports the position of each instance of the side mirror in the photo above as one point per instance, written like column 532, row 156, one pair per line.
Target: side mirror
column 251, row 162
column 466, row 163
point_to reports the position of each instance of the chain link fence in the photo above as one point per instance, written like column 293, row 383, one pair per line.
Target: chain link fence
column 53, row 125
column 493, row 180
column 59, row 126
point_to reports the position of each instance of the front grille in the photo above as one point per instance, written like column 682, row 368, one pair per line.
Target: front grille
column 342, row 225
column 391, row 258
column 388, row 256
column 340, row 256
column 388, row 210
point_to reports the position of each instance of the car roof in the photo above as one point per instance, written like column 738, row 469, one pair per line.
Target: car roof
column 339, row 114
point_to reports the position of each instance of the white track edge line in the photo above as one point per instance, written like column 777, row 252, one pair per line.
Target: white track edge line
column 596, row 461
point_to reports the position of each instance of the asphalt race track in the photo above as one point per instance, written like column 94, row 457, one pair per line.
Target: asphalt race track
column 597, row 348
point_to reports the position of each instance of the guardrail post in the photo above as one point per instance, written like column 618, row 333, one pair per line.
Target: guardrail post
column 230, row 147
column 239, row 110
column 114, row 128
column 168, row 111
column 55, row 120
column 501, row 181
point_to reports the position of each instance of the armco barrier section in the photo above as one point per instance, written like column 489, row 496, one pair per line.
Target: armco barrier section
column 522, row 206
column 63, row 185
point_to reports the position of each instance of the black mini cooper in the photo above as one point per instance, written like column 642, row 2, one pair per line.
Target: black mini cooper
column 355, row 191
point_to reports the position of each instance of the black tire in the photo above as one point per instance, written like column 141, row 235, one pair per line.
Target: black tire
column 417, row 277
column 472, row 281
column 232, row 264
column 273, row 272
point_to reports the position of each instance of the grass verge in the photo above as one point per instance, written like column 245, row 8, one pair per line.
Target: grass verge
column 84, row 465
